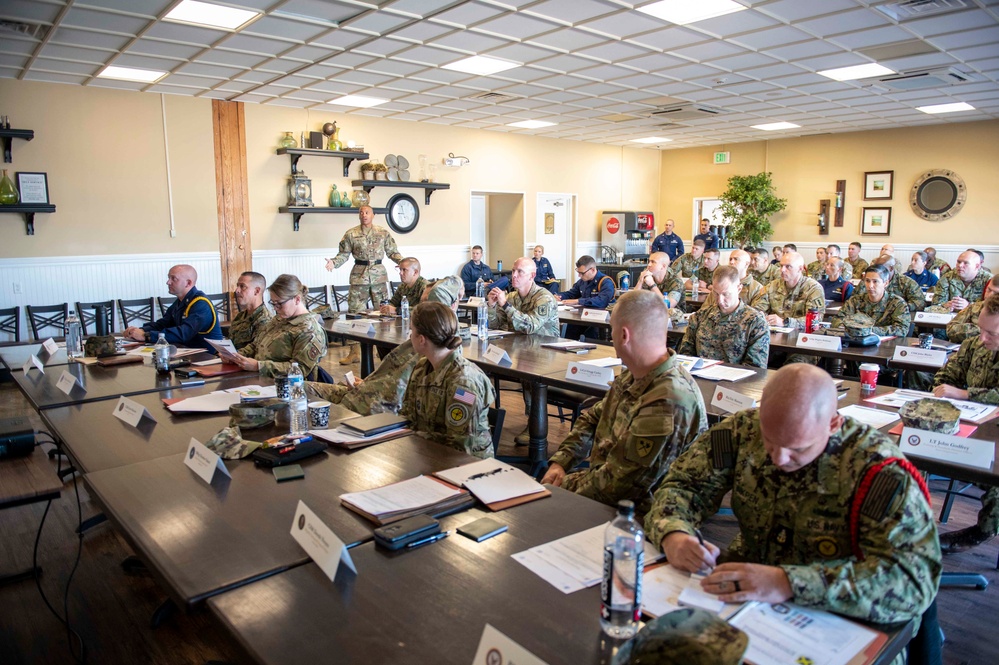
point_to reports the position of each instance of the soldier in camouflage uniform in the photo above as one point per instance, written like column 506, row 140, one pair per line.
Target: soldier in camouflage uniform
column 412, row 287
column 652, row 411
column 898, row 285
column 369, row 244
column 688, row 264
column 847, row 270
column 973, row 374
column 729, row 329
column 801, row 475
column 853, row 258
column 817, row 268
column 528, row 309
column 963, row 285
column 750, row 291
column 933, row 263
column 253, row 314
column 890, row 313
column 704, row 273
column 965, row 324
column 659, row 279
column 762, row 270
column 448, row 398
column 293, row 335
column 787, row 300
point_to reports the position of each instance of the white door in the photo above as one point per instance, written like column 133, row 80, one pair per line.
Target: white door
column 477, row 233
column 554, row 232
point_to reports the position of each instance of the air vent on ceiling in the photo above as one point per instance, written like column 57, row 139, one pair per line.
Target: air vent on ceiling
column 908, row 9
column 686, row 112
column 493, row 97
column 925, row 78
column 35, row 30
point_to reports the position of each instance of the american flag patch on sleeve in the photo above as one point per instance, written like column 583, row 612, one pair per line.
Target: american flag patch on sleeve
column 464, row 396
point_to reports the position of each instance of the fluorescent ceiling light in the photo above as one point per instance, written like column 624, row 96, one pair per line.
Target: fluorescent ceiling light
column 531, row 124
column 856, row 72
column 360, row 101
column 481, row 64
column 651, row 139
column 773, row 126
column 131, row 74
column 213, row 16
column 946, row 108
column 683, row 12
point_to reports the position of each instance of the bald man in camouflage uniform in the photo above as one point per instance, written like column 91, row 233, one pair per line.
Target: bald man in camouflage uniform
column 652, row 411
column 964, row 284
column 729, row 329
column 787, row 300
column 368, row 244
column 659, row 279
column 298, row 339
column 528, row 309
column 412, row 287
column 793, row 499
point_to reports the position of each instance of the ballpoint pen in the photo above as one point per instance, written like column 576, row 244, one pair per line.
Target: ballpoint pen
column 429, row 539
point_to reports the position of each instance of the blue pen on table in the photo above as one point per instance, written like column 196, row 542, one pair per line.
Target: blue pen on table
column 429, row 539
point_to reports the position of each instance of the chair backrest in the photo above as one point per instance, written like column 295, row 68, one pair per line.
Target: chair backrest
column 41, row 317
column 316, row 296
column 164, row 303
column 496, row 418
column 10, row 322
column 87, row 311
column 139, row 310
column 340, row 296
column 393, row 286
column 221, row 302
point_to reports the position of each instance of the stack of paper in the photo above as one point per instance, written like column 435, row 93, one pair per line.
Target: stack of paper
column 417, row 496
column 665, row 589
column 874, row 417
column 972, row 412
column 570, row 346
column 723, row 373
column 691, row 363
column 495, row 483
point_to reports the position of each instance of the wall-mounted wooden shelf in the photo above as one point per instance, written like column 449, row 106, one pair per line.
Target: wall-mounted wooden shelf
column 8, row 135
column 29, row 210
column 298, row 211
column 297, row 153
column 427, row 187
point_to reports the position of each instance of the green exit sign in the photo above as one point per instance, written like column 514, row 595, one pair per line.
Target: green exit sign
column 723, row 157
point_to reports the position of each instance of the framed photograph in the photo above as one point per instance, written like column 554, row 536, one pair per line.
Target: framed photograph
column 34, row 187
column 876, row 222
column 878, row 185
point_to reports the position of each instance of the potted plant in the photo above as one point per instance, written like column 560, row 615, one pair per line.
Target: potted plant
column 747, row 206
column 367, row 171
column 381, row 171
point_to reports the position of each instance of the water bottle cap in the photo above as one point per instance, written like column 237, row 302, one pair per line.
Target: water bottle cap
column 625, row 507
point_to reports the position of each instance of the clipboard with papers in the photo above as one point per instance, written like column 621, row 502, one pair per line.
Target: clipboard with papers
column 496, row 484
column 423, row 495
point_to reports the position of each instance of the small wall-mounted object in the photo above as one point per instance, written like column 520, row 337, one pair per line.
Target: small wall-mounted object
column 840, row 202
column 938, row 195
column 300, row 190
column 452, row 160
column 723, row 158
column 824, row 205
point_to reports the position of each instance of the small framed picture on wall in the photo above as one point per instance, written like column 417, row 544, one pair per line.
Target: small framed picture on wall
column 878, row 185
column 876, row 222
column 34, row 187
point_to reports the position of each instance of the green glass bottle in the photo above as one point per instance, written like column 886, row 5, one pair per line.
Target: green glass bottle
column 334, row 198
column 8, row 193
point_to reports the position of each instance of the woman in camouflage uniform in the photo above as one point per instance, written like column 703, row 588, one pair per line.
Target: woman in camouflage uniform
column 447, row 399
column 293, row 335
column 889, row 311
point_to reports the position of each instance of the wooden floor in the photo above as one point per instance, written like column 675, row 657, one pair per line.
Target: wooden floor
column 112, row 609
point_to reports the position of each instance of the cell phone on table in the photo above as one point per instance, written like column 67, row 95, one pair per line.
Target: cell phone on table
column 184, row 373
column 289, row 472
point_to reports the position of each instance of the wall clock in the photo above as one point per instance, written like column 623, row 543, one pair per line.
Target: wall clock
column 403, row 214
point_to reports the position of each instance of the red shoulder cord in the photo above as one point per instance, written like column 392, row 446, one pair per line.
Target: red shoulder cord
column 865, row 487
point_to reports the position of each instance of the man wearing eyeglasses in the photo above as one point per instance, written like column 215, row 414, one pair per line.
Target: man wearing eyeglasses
column 189, row 321
column 412, row 287
column 593, row 290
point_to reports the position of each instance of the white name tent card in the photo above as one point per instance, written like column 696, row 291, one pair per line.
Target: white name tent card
column 947, row 448
column 362, row 326
column 495, row 354
column 587, row 373
column 203, row 461
column 595, row 315
column 934, row 317
column 131, row 412
column 823, row 342
column 319, row 542
column 495, row 648
column 731, row 401
column 476, row 302
column 67, row 382
column 912, row 354
column 50, row 346
column 32, row 361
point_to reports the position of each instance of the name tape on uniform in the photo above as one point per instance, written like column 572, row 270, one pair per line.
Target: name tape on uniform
column 203, row 461
column 50, row 346
column 67, row 382
column 823, row 342
column 32, row 361
column 495, row 648
column 598, row 376
column 319, row 542
column 947, row 447
column 131, row 412
column 731, row 401
column 912, row 354
column 495, row 354
column 934, row 317
column 595, row 315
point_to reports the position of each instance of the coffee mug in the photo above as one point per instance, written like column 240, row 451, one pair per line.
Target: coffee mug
column 282, row 387
column 319, row 414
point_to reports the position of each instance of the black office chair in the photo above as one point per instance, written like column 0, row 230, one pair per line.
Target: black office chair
column 164, row 303
column 87, row 311
column 138, row 311
column 221, row 302
column 575, row 402
column 393, row 286
column 10, row 322
column 41, row 317
column 340, row 296
column 496, row 419
column 316, row 297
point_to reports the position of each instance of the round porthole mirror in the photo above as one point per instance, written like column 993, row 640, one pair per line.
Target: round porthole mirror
column 938, row 195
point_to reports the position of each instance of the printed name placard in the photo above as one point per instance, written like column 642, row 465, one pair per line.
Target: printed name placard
column 362, row 327
column 495, row 648
column 319, row 542
column 50, row 346
column 203, row 461
column 495, row 354
column 947, row 447
column 934, row 317
column 731, row 401
column 824, row 342
column 67, row 382
column 131, row 412
column 595, row 315
column 32, row 361
column 598, row 376
column 476, row 302
column 912, row 354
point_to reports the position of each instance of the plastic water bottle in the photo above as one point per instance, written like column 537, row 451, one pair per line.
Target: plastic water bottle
column 621, row 588
column 480, row 288
column 404, row 311
column 298, row 405
column 74, row 336
column 695, row 286
column 483, row 323
column 161, row 354
column 625, row 282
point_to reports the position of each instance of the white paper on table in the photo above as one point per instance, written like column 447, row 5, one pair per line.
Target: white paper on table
column 459, row 474
column 338, row 435
column 873, row 417
column 254, row 392
column 205, row 363
column 602, row 362
column 223, row 346
column 216, row 402
column 574, row 562
column 495, row 642
column 661, row 589
column 691, row 363
column 406, row 495
column 784, row 633
column 723, row 373
column 781, row 329
column 502, row 485
column 147, row 352
column 695, row 596
column 973, row 412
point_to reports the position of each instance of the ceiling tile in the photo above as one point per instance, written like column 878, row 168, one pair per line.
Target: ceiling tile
column 522, row 53
column 517, row 26
column 568, row 39
column 190, row 81
column 189, row 34
column 920, row 61
column 381, row 46
column 614, row 51
column 427, row 55
column 844, row 21
column 261, row 45
column 358, row 77
column 62, row 78
column 341, row 39
column 470, row 42
column 106, row 21
column 572, row 11
column 145, row 62
column 307, row 53
column 709, row 51
column 392, row 67
column 222, row 57
column 810, row 49
column 951, row 22
column 989, row 35
column 65, row 67
column 281, row 28
column 378, row 23
column 326, row 10
column 623, row 24
column 881, row 36
column 565, row 63
column 213, row 71
column 72, row 53
column 71, row 37
column 30, row 12
column 735, row 23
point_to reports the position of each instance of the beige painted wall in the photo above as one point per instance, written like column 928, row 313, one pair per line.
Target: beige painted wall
column 506, row 228
column 805, row 170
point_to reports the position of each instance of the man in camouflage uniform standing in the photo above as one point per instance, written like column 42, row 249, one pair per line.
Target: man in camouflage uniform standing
column 963, row 285
column 652, row 411
column 763, row 271
column 687, row 265
column 973, row 374
column 728, row 329
column 965, row 324
column 659, row 279
column 253, row 314
column 801, row 475
column 529, row 309
column 412, row 287
column 890, row 313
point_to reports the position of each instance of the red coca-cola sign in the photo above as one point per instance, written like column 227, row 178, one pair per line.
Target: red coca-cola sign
column 613, row 225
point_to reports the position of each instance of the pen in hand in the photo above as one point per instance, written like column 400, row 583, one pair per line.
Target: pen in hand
column 708, row 567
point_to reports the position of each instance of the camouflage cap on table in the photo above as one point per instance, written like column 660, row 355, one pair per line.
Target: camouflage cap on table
column 931, row 415
column 99, row 346
column 256, row 413
column 688, row 636
column 230, row 444
column 937, row 309
column 858, row 325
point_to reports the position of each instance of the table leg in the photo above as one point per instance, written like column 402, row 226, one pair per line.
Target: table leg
column 367, row 359
column 537, row 422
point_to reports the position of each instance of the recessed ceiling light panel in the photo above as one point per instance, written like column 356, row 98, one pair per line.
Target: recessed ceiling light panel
column 213, row 16
column 531, row 124
column 131, row 74
column 683, row 12
column 481, row 65
column 946, row 108
column 774, row 126
column 651, row 139
column 358, row 101
column 855, row 72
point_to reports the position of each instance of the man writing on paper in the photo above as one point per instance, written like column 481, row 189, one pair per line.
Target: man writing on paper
column 973, row 374
column 412, row 287
column 652, row 411
column 189, row 321
column 253, row 314
column 831, row 516
column 728, row 329
column 659, row 279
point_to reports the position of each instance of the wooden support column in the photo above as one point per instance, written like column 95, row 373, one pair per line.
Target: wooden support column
column 231, row 193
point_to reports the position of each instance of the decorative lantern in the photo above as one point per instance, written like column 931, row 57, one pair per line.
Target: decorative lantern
column 300, row 190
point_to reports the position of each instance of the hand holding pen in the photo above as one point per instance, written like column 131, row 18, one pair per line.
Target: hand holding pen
column 690, row 553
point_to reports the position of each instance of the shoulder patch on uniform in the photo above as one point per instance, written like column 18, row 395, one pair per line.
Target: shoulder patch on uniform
column 722, row 449
column 457, row 413
column 884, row 488
column 314, row 350
column 544, row 309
